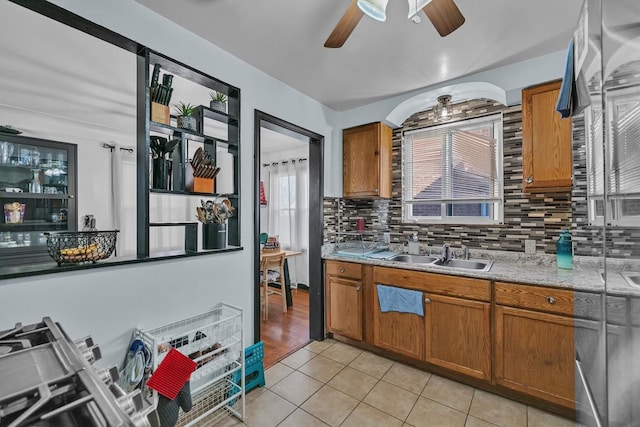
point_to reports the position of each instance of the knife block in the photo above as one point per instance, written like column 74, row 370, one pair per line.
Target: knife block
column 203, row 185
column 160, row 113
column 196, row 184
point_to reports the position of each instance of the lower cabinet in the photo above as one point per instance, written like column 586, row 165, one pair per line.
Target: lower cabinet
column 514, row 336
column 458, row 335
column 534, row 350
column 455, row 332
column 402, row 333
column 343, row 287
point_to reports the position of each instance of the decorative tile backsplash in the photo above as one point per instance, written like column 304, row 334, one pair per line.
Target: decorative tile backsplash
column 538, row 217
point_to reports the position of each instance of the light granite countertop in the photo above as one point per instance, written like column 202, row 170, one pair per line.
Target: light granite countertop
column 534, row 269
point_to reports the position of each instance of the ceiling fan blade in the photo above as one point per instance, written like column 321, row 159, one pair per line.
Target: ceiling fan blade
column 345, row 26
column 444, row 15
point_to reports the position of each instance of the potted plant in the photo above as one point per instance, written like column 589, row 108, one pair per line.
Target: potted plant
column 214, row 216
column 218, row 101
column 185, row 115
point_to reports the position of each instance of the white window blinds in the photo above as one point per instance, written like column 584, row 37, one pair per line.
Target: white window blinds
column 454, row 170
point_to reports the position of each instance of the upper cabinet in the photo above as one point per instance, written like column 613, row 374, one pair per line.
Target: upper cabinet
column 546, row 140
column 367, row 161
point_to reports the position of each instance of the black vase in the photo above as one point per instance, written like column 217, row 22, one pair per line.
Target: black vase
column 160, row 173
column 214, row 236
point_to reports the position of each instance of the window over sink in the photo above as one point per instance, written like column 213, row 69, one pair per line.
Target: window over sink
column 452, row 173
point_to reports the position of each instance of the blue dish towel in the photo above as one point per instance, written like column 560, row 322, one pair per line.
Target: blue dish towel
column 401, row 300
column 564, row 98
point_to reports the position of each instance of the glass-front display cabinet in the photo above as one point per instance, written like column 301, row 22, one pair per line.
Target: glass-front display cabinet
column 37, row 195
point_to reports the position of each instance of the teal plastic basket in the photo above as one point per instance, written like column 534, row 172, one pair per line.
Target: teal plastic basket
column 253, row 369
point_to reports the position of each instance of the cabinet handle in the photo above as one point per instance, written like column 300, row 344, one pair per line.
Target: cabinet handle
column 427, row 300
column 529, row 180
column 341, row 269
column 551, row 300
column 71, row 196
column 357, row 288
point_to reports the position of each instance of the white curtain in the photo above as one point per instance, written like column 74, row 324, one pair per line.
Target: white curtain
column 288, row 206
column 123, row 198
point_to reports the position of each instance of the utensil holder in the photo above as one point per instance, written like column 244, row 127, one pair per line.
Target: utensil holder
column 160, row 173
column 214, row 236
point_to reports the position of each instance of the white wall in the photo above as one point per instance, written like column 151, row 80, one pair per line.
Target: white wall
column 108, row 302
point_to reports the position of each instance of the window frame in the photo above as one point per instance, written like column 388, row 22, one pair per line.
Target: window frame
column 497, row 217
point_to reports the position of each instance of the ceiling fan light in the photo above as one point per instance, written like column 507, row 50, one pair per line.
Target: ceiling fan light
column 375, row 9
column 416, row 6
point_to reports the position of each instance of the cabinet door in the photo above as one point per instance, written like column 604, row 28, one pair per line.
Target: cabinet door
column 546, row 140
column 401, row 333
column 458, row 335
column 367, row 161
column 344, row 301
column 534, row 354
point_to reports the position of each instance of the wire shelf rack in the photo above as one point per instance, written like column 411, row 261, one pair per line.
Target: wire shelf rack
column 212, row 404
column 214, row 341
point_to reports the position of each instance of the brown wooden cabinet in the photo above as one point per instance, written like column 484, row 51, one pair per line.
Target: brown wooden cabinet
column 401, row 333
column 458, row 335
column 343, row 287
column 546, row 140
column 454, row 333
column 512, row 337
column 367, row 161
column 534, row 350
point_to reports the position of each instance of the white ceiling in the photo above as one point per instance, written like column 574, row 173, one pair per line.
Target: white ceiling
column 285, row 38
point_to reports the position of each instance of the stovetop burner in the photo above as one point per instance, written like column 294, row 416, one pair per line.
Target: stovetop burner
column 47, row 380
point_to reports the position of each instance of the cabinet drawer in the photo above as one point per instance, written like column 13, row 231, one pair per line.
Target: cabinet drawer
column 538, row 298
column 344, row 269
column 456, row 286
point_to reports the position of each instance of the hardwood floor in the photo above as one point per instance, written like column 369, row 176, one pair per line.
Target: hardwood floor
column 286, row 332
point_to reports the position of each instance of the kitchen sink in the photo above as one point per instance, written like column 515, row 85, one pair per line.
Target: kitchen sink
column 631, row 277
column 416, row 259
column 465, row 264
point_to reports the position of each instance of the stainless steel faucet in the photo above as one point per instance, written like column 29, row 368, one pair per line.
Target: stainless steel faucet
column 445, row 253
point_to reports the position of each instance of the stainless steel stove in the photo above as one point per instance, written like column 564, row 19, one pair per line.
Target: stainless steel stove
column 47, row 380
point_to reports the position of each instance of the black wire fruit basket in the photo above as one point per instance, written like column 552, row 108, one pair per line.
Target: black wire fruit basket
column 71, row 247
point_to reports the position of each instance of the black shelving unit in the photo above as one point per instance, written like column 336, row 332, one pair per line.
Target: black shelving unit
column 50, row 207
column 179, row 157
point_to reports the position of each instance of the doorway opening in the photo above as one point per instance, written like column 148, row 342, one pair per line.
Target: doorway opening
column 288, row 218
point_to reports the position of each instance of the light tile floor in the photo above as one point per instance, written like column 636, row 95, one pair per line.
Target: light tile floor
column 330, row 383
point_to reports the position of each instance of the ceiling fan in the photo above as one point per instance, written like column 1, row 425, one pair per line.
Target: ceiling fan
column 443, row 14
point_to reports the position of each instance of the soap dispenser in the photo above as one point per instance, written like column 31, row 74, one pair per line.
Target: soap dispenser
column 564, row 250
column 414, row 244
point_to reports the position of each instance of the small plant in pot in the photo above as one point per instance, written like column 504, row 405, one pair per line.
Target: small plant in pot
column 185, row 115
column 218, row 101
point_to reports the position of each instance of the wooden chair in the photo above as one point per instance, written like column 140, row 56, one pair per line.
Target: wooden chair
column 269, row 264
